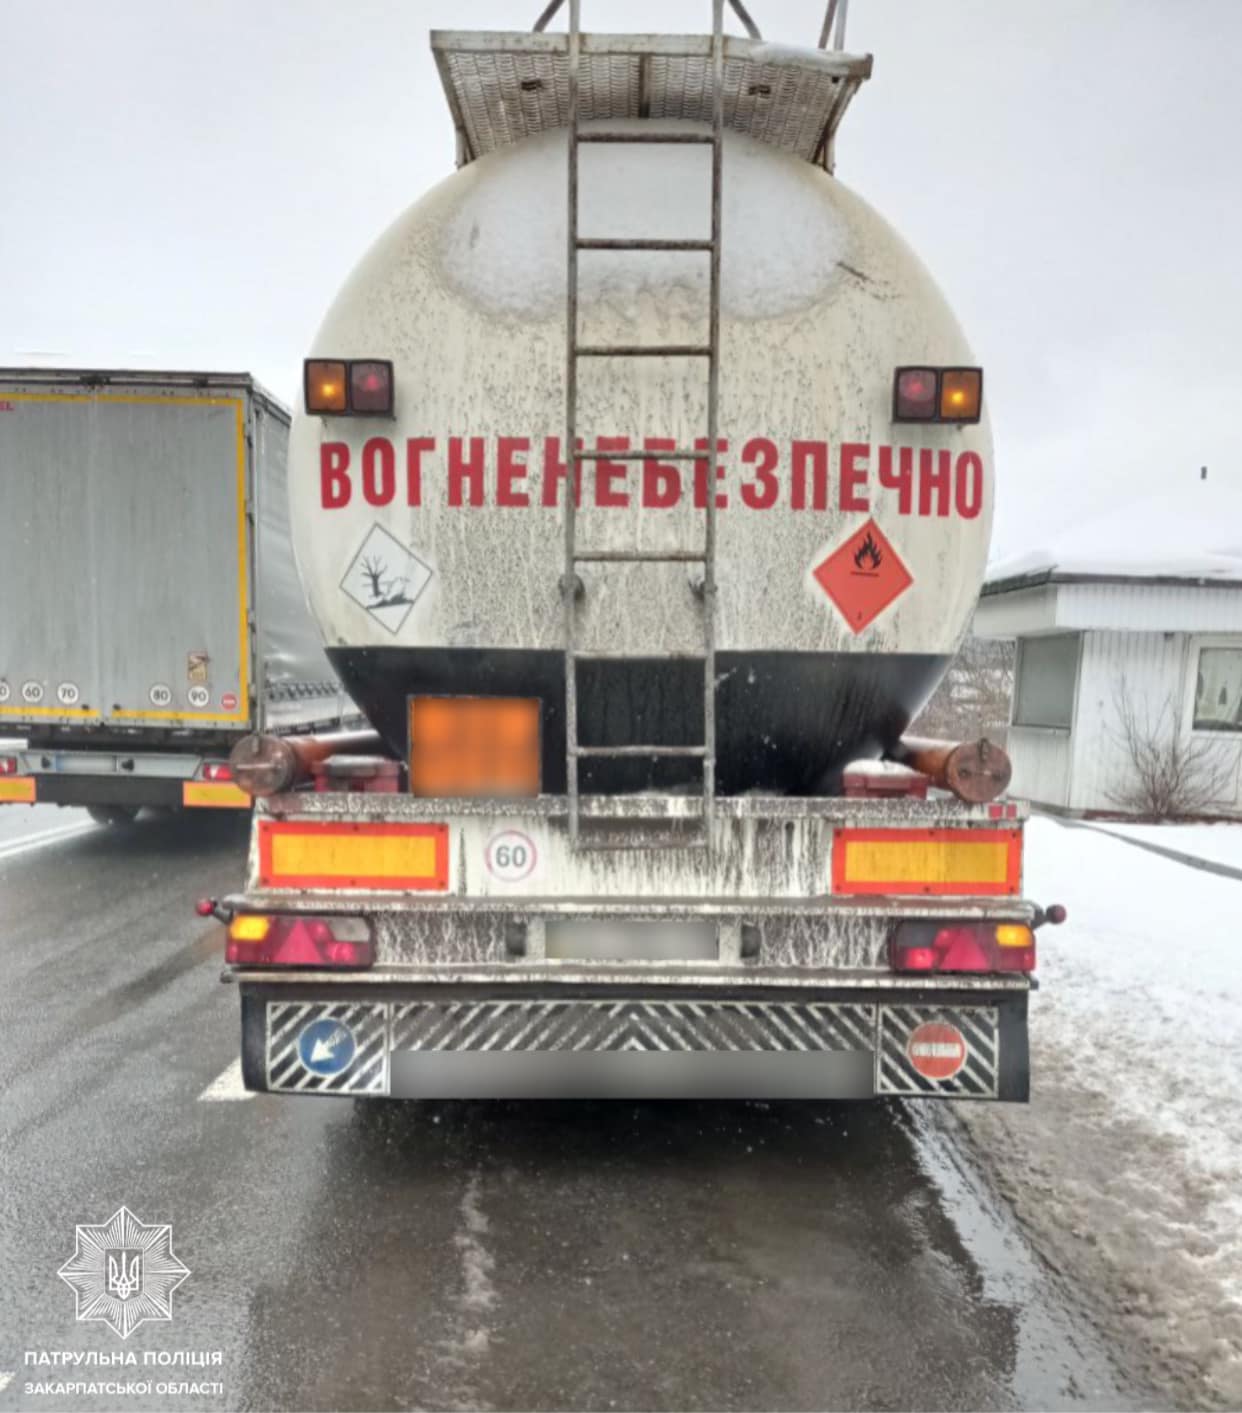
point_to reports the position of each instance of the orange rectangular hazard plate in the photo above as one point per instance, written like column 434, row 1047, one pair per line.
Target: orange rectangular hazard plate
column 341, row 854
column 18, row 790
column 927, row 861
column 474, row 746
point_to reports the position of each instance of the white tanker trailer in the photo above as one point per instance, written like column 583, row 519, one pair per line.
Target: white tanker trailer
column 643, row 483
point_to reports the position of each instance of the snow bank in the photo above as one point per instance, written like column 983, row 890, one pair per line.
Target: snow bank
column 1126, row 1166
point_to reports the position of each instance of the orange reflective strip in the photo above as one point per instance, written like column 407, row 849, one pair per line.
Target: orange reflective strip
column 17, row 790
column 214, row 795
column 347, row 855
column 927, row 861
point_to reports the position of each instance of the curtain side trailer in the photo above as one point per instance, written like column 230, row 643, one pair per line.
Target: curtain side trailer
column 152, row 609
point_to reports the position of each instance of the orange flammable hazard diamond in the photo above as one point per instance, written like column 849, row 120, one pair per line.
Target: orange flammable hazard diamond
column 863, row 576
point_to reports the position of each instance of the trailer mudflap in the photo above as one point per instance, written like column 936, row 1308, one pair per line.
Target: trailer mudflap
column 478, row 1042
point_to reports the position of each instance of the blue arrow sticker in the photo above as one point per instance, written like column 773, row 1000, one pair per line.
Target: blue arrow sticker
column 326, row 1046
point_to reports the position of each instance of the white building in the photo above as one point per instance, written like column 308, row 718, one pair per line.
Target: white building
column 1129, row 657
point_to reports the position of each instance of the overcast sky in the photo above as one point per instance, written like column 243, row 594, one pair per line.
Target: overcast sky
column 187, row 184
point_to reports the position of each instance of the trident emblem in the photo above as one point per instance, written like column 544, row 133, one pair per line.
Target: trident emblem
column 124, row 1276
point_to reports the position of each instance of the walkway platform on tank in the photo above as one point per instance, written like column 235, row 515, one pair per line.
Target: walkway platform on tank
column 505, row 86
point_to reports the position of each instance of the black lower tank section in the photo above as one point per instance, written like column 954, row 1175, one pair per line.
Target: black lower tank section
column 785, row 722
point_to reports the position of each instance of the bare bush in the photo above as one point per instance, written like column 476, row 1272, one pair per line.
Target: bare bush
column 973, row 698
column 1169, row 774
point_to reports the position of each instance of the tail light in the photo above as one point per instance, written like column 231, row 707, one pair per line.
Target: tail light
column 370, row 388
column 8, row 765
column 325, row 385
column 292, row 940
column 938, row 395
column 961, row 393
column 217, row 770
column 359, row 387
column 962, row 947
column 915, row 395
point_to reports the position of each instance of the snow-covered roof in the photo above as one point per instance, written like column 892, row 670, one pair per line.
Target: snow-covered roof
column 1191, row 534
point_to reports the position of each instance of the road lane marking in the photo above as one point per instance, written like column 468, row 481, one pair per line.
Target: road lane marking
column 226, row 1086
column 46, row 837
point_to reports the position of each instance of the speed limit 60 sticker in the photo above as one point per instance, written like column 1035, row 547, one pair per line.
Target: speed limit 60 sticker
column 511, row 856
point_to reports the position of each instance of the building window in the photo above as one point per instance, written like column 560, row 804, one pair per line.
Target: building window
column 1046, row 676
column 1218, row 690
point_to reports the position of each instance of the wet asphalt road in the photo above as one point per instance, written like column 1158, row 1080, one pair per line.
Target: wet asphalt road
column 554, row 1256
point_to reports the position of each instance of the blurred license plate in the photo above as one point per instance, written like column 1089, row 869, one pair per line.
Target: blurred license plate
column 594, row 941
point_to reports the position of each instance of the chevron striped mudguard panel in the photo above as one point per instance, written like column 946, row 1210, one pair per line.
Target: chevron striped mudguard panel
column 635, row 1047
column 654, row 1026
column 945, row 1050
column 319, row 1047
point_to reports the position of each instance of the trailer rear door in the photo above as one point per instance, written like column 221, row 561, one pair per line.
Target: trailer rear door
column 125, row 564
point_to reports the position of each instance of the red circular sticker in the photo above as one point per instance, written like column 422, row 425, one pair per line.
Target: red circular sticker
column 229, row 701
column 936, row 1050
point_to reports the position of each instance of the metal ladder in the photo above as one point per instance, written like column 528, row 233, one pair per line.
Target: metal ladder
column 570, row 583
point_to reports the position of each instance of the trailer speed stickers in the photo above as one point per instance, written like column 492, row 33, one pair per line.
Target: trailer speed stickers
column 385, row 578
column 32, row 693
column 5, row 692
column 863, row 576
column 198, row 697
column 511, row 856
column 67, row 694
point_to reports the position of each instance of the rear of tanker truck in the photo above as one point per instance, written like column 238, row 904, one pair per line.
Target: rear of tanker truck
column 151, row 611
column 619, row 682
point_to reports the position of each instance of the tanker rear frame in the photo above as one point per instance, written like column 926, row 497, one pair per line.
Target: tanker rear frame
column 389, row 946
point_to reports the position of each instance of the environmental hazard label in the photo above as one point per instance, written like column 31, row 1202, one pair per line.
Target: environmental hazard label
column 385, row 578
column 863, row 576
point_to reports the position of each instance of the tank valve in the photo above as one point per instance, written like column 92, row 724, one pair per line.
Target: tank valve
column 975, row 772
column 268, row 765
